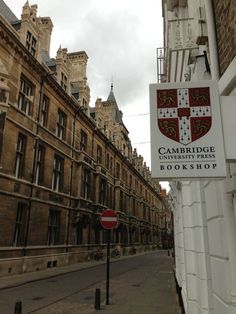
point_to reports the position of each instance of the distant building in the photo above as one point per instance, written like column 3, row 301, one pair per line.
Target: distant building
column 200, row 44
column 60, row 167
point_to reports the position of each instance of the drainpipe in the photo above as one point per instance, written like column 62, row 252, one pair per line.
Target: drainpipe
column 212, row 40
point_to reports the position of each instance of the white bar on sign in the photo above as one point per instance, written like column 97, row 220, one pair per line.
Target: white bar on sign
column 109, row 218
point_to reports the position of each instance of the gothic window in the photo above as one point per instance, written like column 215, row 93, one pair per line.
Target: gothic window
column 31, row 43
column 57, row 177
column 25, row 98
column 53, row 227
column 20, row 155
column 61, row 125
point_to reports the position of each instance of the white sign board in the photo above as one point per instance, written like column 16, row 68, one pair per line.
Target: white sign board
column 186, row 132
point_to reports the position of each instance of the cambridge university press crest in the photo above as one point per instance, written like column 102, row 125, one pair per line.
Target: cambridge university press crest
column 184, row 114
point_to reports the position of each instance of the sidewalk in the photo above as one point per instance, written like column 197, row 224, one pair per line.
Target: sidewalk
column 17, row 280
column 146, row 290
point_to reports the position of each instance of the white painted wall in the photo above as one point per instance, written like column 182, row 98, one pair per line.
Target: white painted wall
column 205, row 218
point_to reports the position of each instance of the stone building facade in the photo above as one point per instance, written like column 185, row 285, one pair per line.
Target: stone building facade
column 225, row 12
column 200, row 46
column 60, row 165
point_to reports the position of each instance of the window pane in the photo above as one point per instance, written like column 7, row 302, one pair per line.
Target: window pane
column 53, row 227
column 19, row 225
column 57, row 177
column 20, row 155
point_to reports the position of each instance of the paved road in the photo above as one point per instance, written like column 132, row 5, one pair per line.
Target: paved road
column 133, row 282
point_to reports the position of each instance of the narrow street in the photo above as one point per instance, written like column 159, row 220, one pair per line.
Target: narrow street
column 144, row 281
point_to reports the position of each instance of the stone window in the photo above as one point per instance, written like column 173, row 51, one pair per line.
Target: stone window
column 84, row 103
column 40, row 165
column 25, row 98
column 53, row 227
column 61, row 125
column 131, row 181
column 86, row 183
column 19, row 232
column 107, row 161
column 20, row 155
column 111, row 165
column 44, row 111
column 3, row 96
column 102, row 191
column 58, row 172
column 110, row 196
column 133, row 207
column 79, row 233
column 83, row 140
column 63, row 81
column 31, row 43
column 2, row 127
column 121, row 201
column 99, row 154
column 118, row 170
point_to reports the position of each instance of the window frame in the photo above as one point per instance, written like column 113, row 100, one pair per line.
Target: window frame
column 103, row 191
column 20, row 155
column 99, row 154
column 58, row 173
column 19, row 231
column 44, row 111
column 86, row 184
column 83, row 140
column 53, row 227
column 64, row 81
column 117, row 170
column 31, row 43
column 61, row 125
column 40, row 160
column 26, row 90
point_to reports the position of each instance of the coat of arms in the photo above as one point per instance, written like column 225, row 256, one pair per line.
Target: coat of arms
column 184, row 114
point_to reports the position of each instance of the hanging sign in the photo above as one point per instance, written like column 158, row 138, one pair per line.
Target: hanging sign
column 186, row 132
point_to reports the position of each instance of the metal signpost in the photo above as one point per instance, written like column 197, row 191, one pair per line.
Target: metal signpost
column 109, row 220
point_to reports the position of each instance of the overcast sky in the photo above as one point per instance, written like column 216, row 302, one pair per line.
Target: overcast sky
column 120, row 38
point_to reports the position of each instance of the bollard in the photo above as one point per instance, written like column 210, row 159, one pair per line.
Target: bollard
column 97, row 299
column 18, row 307
column 168, row 252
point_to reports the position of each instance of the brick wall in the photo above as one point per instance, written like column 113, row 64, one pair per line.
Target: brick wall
column 225, row 16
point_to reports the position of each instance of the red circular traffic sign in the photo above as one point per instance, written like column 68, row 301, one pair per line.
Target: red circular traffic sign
column 109, row 219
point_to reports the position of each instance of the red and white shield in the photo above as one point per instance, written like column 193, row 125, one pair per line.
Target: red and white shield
column 184, row 114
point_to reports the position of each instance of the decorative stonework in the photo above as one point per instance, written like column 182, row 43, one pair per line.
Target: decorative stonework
column 4, row 89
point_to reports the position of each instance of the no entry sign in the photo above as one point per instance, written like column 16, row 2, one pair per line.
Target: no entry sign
column 109, row 219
